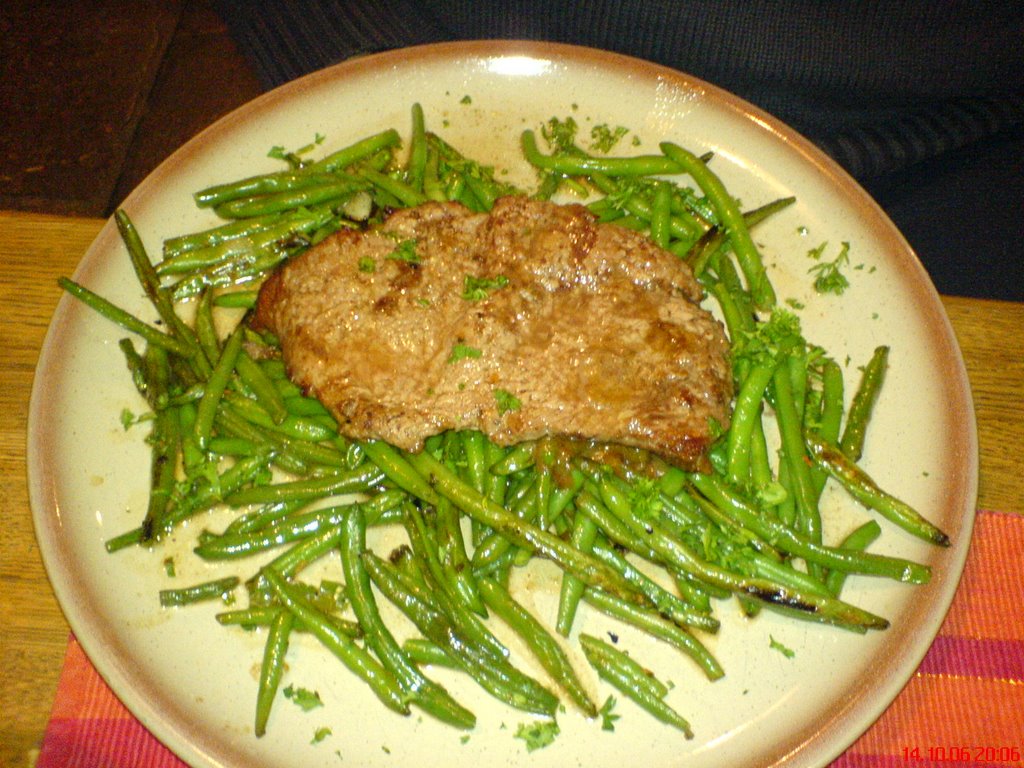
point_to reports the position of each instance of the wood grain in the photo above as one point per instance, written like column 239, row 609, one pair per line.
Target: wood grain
column 991, row 336
column 36, row 249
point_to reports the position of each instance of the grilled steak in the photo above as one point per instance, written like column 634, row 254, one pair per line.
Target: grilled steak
column 532, row 320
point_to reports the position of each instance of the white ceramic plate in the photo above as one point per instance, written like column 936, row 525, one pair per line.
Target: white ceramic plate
column 194, row 683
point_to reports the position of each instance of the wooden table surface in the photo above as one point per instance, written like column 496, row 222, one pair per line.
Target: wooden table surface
column 35, row 250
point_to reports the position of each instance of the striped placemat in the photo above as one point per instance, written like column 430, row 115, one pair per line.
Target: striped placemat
column 963, row 706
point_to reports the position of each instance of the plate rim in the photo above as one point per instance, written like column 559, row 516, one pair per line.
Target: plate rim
column 839, row 731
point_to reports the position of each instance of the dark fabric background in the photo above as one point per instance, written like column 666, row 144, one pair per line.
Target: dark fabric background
column 922, row 102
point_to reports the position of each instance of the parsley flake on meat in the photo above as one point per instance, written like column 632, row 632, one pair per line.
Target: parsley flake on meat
column 506, row 401
column 406, row 251
column 463, row 351
column 478, row 288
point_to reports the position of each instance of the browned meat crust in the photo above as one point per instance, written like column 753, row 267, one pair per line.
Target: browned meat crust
column 597, row 333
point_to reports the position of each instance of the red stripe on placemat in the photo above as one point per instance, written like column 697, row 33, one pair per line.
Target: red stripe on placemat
column 90, row 727
column 967, row 656
column 92, row 743
column 967, row 697
column 988, row 603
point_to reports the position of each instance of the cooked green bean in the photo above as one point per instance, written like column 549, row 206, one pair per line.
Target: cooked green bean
column 426, row 693
column 715, row 238
column 586, row 567
column 422, row 651
column 360, row 150
column 667, row 604
column 544, row 647
column 236, row 299
column 583, row 165
column 583, row 536
column 207, row 590
column 215, row 387
column 206, row 327
column 859, row 539
column 497, row 677
column 164, row 438
column 729, row 214
column 174, row 246
column 311, row 428
column 793, row 543
column 860, row 485
column 150, row 281
column 125, row 319
column 353, row 656
column 747, row 412
column 272, row 668
column 657, row 626
column 352, row 481
column 864, row 399
column 405, row 194
column 809, row 518
column 291, row 528
column 829, row 421
column 261, row 386
column 276, row 202
column 676, row 553
column 265, row 184
column 236, row 249
column 494, row 545
column 633, row 680
column 679, row 224
column 431, row 577
column 454, row 559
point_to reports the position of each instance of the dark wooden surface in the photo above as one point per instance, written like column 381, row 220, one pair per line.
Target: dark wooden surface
column 94, row 94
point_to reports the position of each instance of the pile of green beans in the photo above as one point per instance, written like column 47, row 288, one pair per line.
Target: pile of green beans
column 229, row 430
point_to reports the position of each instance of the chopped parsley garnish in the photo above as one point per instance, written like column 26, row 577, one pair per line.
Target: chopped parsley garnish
column 303, row 698
column 461, row 352
column 169, row 566
column 607, row 717
column 827, row 275
column 467, row 99
column 645, row 498
column 367, row 264
column 320, row 735
column 127, row 419
column 775, row 645
column 780, row 333
column 539, row 734
column 604, row 138
column 506, row 401
column 560, row 134
column 130, row 419
column 294, row 157
column 405, row 251
column 478, row 288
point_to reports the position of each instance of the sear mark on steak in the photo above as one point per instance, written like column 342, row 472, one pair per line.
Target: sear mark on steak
column 580, row 330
